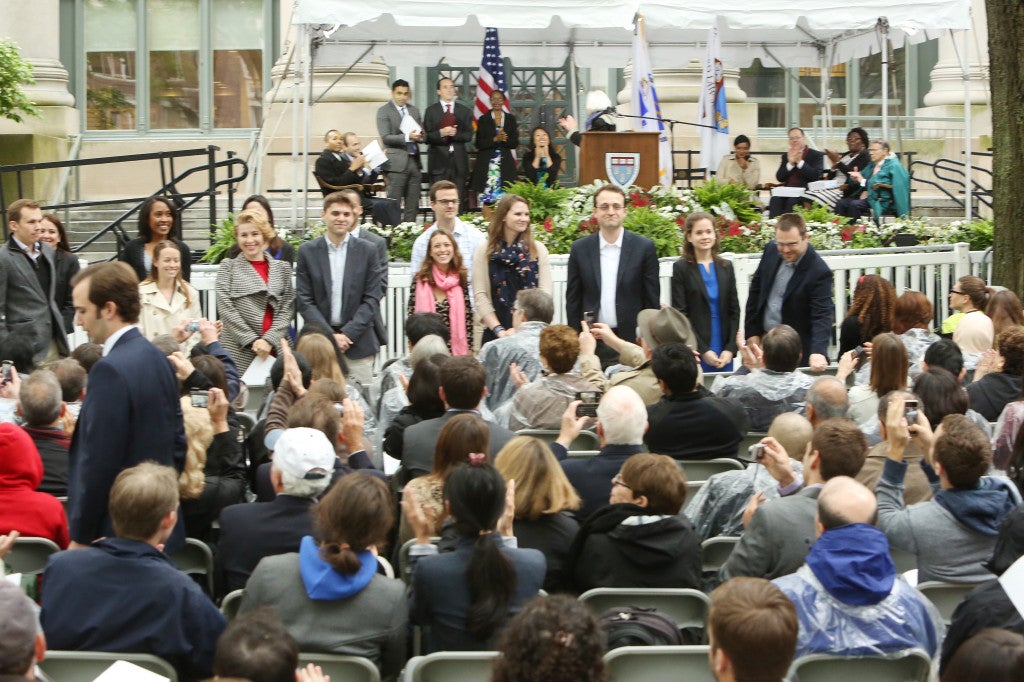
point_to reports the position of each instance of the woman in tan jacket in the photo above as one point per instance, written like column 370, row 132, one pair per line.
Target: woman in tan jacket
column 168, row 301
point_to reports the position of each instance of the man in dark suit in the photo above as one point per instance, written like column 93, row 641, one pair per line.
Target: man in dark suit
column 131, row 412
column 792, row 285
column 381, row 246
column 463, row 387
column 402, row 149
column 384, row 211
column 449, row 126
column 29, row 314
column 613, row 274
column 779, row 533
column 339, row 284
column 299, row 473
column 799, row 166
column 329, row 165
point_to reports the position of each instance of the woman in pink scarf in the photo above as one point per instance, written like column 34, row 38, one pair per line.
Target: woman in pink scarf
column 440, row 287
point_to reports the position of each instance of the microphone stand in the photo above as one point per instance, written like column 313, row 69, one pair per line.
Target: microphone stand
column 671, row 128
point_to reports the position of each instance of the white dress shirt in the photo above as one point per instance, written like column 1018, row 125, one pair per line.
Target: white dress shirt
column 610, row 254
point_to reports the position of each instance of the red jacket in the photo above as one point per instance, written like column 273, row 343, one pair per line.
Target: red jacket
column 31, row 513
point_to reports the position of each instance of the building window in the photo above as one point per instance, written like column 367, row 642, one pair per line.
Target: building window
column 174, row 64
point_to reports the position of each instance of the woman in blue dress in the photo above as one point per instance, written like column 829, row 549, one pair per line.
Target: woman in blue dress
column 704, row 289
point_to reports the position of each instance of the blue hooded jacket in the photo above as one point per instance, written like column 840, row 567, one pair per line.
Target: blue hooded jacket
column 853, row 564
column 325, row 583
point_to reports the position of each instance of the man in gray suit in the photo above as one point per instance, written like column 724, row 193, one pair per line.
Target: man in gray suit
column 402, row 149
column 779, row 534
column 339, row 282
column 28, row 281
column 463, row 387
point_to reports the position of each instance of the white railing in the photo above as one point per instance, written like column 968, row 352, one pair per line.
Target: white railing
column 932, row 270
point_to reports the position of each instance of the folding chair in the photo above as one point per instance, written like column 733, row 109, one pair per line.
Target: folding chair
column 230, row 604
column 702, row 470
column 587, row 440
column 658, row 663
column 29, row 555
column 912, row 665
column 86, row 666
column 451, row 666
column 945, row 596
column 688, row 608
column 715, row 551
column 195, row 558
column 343, row 668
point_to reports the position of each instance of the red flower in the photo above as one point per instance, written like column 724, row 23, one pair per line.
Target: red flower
column 547, row 225
column 734, row 230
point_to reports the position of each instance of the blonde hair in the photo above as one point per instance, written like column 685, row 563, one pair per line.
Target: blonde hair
column 541, row 485
column 199, row 435
column 322, row 357
column 257, row 219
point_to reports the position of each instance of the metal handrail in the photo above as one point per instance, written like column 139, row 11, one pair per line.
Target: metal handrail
column 954, row 173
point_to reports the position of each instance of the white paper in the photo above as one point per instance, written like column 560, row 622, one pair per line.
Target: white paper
column 258, row 371
column 375, row 156
column 408, row 126
column 123, row 671
column 390, row 464
column 822, row 184
column 1012, row 582
column 787, row 191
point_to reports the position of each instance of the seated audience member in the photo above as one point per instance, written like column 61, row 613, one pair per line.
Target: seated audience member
column 396, row 399
column 328, row 362
column 889, row 372
column 72, row 378
column 826, row 399
column 87, row 354
column 989, row 606
column 329, row 595
column 966, row 506
column 222, row 468
column 463, row 388
column 417, row 326
column 975, row 336
column 499, row 578
column 123, row 593
column 779, row 533
column 621, row 423
column 423, row 401
column 870, row 313
column 990, row 656
column 31, row 513
column 43, row 411
column 848, row 597
column 912, row 318
column 256, row 647
column 555, row 639
column 461, row 436
column 717, row 508
column 917, row 488
column 539, row 404
column 22, row 644
column 639, row 539
column 777, row 387
column 531, row 313
column 752, row 631
column 688, row 423
column 654, row 327
column 299, row 473
column 947, row 355
column 1007, row 431
column 544, row 502
column 997, row 380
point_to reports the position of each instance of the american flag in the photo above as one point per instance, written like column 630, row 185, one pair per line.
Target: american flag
column 490, row 76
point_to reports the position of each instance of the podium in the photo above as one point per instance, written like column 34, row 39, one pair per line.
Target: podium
column 606, row 154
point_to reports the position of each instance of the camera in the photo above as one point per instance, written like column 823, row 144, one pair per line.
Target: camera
column 193, row 326
column 200, row 398
column 910, row 408
column 756, row 452
column 7, row 374
column 590, row 317
column 588, row 403
column 858, row 351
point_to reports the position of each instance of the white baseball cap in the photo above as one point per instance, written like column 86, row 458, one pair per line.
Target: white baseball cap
column 304, row 453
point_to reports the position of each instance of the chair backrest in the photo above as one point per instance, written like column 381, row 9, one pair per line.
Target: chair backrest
column 688, row 608
column 945, row 596
column 29, row 555
column 751, row 438
column 452, row 666
column 343, row 668
column 702, row 470
column 658, row 663
column 86, row 666
column 904, row 560
column 195, row 558
column 404, row 565
column 582, row 453
column 715, row 551
column 587, row 440
column 912, row 665
column 230, row 603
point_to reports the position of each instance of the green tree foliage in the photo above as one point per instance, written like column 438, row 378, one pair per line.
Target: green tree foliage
column 15, row 72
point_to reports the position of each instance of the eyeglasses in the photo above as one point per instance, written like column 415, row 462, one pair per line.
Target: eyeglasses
column 617, row 480
column 954, row 291
column 446, row 202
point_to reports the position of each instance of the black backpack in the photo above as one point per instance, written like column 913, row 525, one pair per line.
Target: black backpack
column 635, row 626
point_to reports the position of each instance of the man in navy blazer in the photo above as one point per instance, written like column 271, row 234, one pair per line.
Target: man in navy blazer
column 611, row 255
column 799, row 166
column 449, row 126
column 792, row 285
column 350, row 306
column 131, row 412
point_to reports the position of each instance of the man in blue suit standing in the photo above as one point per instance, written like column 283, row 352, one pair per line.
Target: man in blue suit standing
column 339, row 281
column 613, row 273
column 792, row 285
column 131, row 411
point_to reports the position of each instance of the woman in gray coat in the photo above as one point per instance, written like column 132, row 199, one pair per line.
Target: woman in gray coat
column 255, row 294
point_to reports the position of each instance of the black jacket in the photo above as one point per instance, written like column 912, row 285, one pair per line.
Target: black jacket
column 990, row 394
column 133, row 253
column 618, row 547
column 552, row 534
column 696, row 426
column 690, row 297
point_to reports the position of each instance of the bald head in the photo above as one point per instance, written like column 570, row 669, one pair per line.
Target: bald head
column 827, row 399
column 793, row 432
column 843, row 501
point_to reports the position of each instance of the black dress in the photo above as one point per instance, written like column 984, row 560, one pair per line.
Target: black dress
column 532, row 174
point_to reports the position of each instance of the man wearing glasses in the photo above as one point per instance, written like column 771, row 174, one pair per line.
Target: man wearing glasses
column 792, row 285
column 613, row 274
column 444, row 202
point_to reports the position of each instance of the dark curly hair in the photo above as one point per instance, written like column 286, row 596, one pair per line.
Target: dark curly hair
column 554, row 639
column 873, row 302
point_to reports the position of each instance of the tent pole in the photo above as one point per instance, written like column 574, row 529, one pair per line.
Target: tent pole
column 823, row 87
column 307, row 121
column 968, row 146
column 296, row 91
column 883, row 25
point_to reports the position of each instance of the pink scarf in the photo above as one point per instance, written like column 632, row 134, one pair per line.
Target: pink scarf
column 425, row 303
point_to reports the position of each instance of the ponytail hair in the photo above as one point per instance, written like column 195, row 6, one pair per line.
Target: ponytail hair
column 476, row 496
column 354, row 514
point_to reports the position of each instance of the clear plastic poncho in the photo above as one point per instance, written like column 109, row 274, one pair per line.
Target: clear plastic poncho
column 765, row 393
